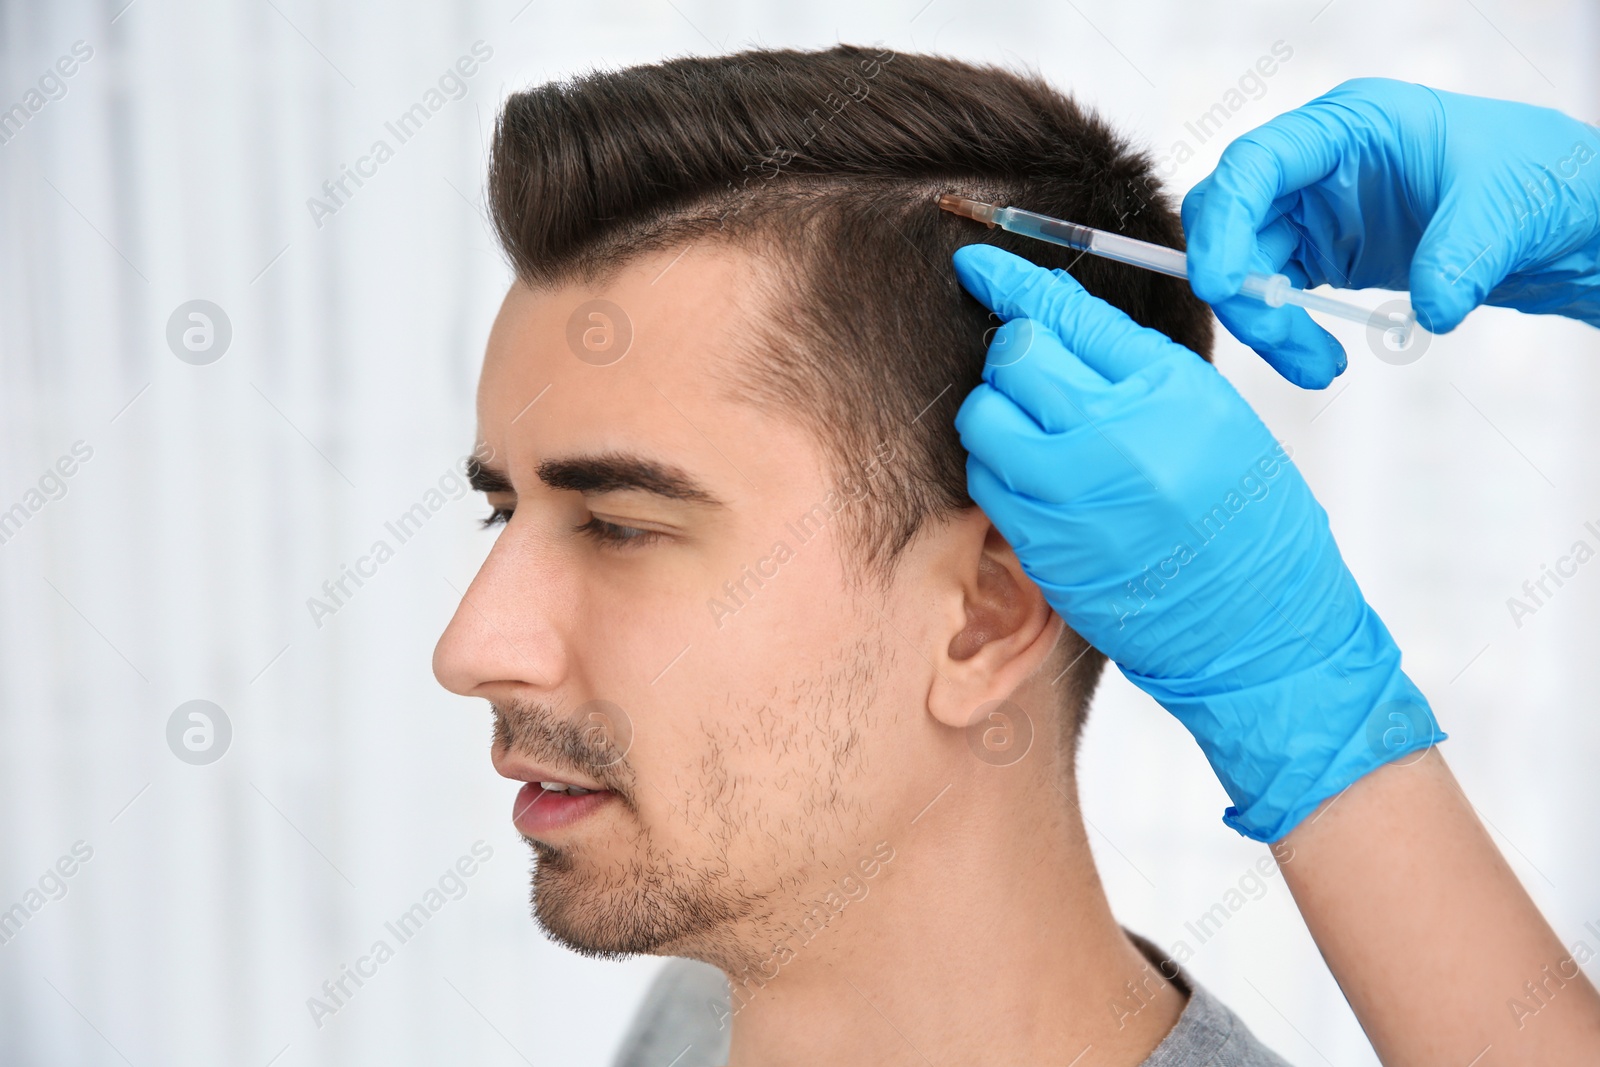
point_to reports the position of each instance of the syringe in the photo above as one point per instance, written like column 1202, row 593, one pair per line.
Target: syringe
column 1274, row 290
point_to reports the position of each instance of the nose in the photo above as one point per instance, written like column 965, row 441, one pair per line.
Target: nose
column 505, row 628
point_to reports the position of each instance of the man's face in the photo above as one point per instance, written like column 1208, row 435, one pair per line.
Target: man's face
column 698, row 651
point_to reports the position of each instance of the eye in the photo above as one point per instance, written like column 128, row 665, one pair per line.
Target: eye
column 609, row 533
column 497, row 517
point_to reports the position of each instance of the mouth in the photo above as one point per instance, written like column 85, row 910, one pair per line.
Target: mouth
column 542, row 807
column 549, row 801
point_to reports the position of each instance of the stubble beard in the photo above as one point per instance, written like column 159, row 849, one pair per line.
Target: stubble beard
column 656, row 903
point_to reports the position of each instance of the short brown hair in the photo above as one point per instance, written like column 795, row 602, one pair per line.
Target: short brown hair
column 829, row 161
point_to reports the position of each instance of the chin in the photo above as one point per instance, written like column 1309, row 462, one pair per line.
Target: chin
column 631, row 911
column 573, row 911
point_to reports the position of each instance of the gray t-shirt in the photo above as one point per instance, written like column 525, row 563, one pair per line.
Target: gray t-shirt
column 676, row 1026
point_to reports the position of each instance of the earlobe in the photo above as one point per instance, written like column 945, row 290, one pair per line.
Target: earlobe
column 1007, row 632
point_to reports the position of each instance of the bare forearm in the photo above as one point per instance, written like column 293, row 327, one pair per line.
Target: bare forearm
column 1428, row 931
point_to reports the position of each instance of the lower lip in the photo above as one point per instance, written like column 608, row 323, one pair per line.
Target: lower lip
column 538, row 810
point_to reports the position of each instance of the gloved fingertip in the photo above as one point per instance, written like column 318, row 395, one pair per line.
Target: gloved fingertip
column 1208, row 285
column 1321, row 372
column 1000, row 280
column 1321, row 357
column 1307, row 369
column 976, row 255
column 972, row 266
column 984, row 260
column 1288, row 340
column 1443, row 290
column 1221, row 244
column 1214, row 278
column 1209, row 279
column 1298, row 371
column 1441, row 308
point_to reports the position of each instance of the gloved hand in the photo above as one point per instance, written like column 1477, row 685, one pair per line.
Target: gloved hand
column 1462, row 200
column 1167, row 527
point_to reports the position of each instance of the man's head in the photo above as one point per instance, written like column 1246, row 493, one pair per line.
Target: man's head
column 736, row 328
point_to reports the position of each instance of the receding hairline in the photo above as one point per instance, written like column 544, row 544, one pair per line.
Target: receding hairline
column 769, row 276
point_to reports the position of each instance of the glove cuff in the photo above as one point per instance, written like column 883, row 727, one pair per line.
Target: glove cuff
column 1283, row 747
column 1398, row 723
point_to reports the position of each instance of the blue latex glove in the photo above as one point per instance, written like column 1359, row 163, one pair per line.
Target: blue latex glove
column 1462, row 200
column 1165, row 524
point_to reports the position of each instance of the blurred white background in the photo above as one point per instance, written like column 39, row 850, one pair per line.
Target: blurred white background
column 176, row 163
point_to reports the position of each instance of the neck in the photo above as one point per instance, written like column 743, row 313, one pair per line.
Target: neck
column 986, row 939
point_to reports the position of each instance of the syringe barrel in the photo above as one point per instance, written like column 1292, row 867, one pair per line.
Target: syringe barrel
column 1045, row 228
column 1140, row 253
column 1088, row 239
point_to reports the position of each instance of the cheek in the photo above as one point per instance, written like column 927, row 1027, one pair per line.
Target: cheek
column 723, row 657
column 641, row 623
column 768, row 614
column 743, row 669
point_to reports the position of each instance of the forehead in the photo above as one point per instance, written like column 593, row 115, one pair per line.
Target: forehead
column 640, row 362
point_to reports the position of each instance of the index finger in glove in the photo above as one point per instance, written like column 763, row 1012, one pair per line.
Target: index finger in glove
column 1101, row 335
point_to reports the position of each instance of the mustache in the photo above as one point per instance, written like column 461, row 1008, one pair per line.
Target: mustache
column 592, row 740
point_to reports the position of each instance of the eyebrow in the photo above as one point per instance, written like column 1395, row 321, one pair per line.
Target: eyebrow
column 606, row 472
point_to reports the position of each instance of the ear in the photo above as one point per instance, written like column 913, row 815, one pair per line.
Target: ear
column 998, row 628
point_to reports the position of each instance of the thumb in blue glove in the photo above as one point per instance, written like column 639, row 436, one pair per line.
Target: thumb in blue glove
column 1165, row 525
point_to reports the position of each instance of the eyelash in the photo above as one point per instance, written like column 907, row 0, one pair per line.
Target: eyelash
column 597, row 529
column 611, row 534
